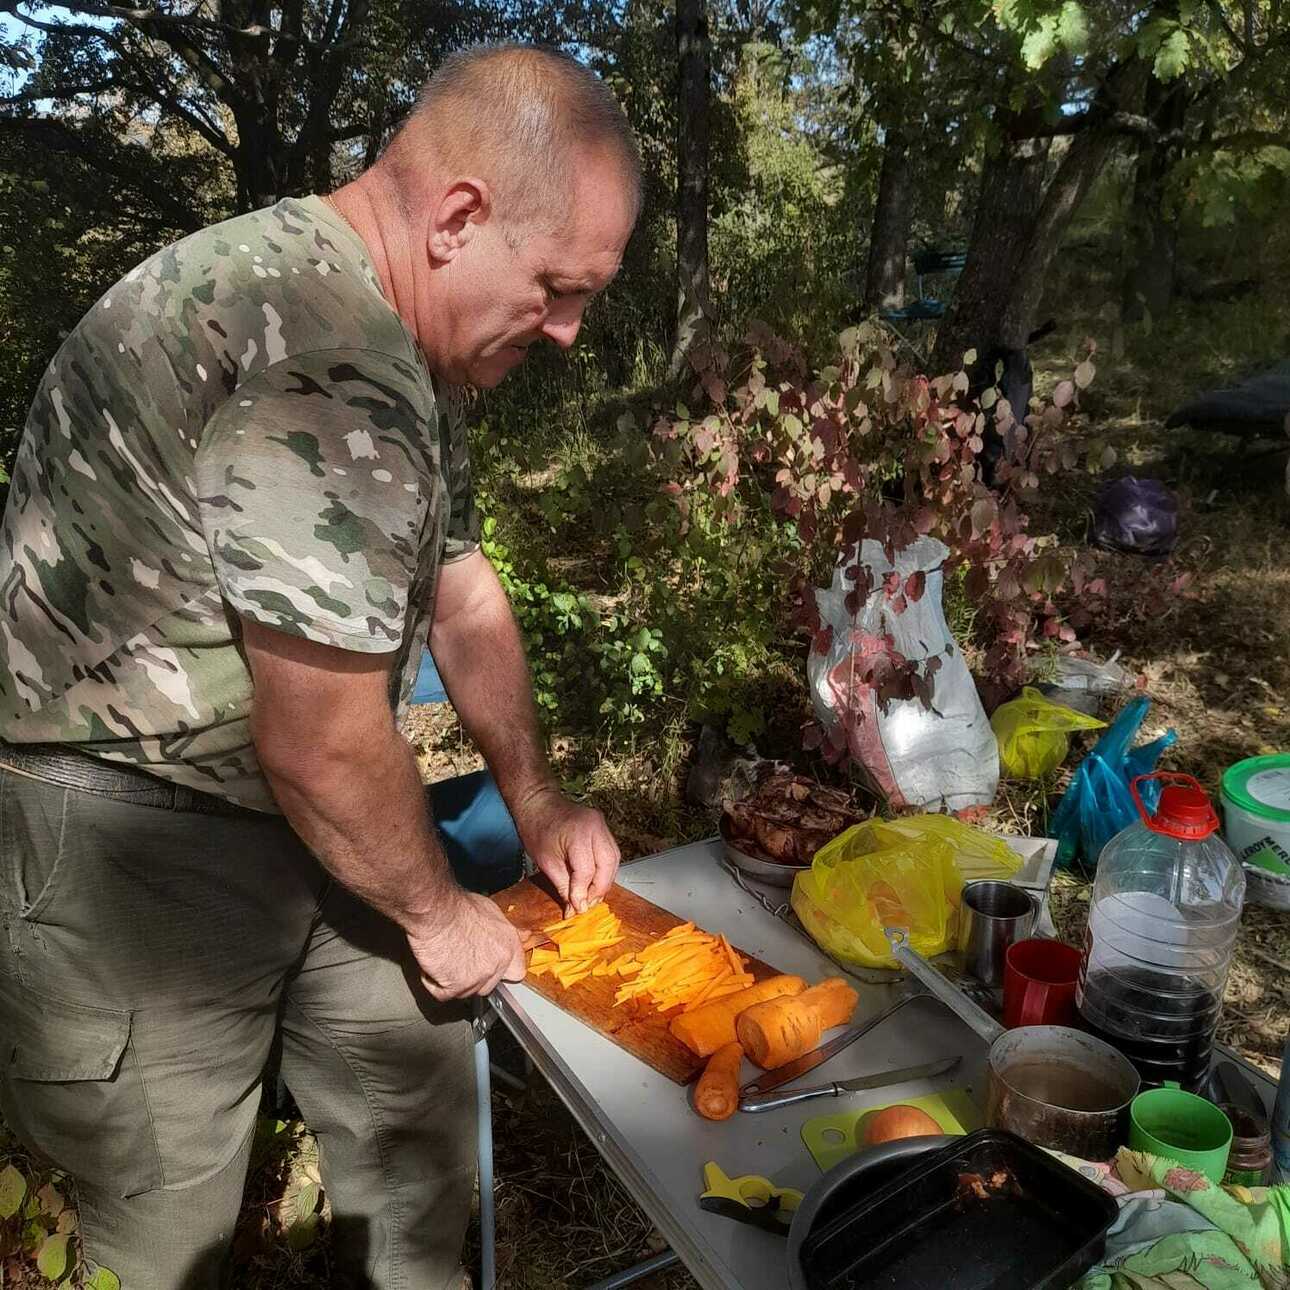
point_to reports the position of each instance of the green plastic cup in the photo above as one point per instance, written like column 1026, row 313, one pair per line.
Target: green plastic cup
column 1182, row 1127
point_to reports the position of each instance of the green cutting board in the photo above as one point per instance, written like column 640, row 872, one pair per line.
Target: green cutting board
column 831, row 1138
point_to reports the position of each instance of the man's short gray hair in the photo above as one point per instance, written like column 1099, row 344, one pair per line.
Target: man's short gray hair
column 518, row 115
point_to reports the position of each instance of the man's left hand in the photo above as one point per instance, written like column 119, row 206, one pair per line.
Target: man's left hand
column 570, row 844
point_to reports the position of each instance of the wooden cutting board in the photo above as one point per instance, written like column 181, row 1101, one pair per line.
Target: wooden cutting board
column 530, row 907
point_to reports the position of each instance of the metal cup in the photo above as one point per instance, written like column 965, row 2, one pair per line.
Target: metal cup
column 993, row 916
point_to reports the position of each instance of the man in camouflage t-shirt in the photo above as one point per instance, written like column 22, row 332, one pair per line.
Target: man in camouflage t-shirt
column 244, row 423
column 241, row 508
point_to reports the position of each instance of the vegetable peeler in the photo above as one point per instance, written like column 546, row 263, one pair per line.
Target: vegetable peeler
column 749, row 1199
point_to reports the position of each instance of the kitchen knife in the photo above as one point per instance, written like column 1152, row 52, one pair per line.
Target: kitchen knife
column 809, row 1061
column 772, row 1101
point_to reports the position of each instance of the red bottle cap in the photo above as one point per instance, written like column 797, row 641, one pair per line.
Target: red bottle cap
column 1184, row 810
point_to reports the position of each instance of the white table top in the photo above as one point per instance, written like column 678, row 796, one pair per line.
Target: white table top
column 643, row 1123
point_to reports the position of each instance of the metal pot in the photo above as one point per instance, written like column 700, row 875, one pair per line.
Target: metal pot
column 1054, row 1086
column 866, row 1171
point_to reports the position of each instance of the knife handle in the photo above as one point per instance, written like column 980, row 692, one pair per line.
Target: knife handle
column 773, row 1101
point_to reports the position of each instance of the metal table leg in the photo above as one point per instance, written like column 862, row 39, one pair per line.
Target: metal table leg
column 485, row 1015
column 484, row 1115
column 512, row 1082
column 631, row 1275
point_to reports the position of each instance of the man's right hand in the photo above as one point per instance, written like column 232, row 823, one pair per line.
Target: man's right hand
column 467, row 949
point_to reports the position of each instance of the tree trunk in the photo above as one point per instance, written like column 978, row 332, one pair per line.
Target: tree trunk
column 259, row 163
column 1019, row 226
column 1083, row 162
column 1012, row 190
column 693, row 59
column 884, row 286
column 1148, row 287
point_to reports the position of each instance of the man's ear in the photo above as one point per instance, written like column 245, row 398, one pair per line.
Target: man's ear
column 464, row 206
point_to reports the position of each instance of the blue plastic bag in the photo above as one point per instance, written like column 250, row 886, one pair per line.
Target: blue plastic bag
column 1097, row 805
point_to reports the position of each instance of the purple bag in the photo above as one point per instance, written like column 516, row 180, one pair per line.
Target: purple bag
column 1139, row 516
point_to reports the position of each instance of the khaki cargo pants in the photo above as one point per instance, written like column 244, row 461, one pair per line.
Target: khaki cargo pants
column 150, row 959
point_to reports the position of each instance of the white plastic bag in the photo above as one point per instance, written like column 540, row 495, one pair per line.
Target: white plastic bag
column 942, row 757
column 1086, row 685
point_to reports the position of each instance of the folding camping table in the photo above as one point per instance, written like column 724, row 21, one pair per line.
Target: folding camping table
column 642, row 1122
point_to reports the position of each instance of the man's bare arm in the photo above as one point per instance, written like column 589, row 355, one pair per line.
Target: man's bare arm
column 348, row 785
column 479, row 652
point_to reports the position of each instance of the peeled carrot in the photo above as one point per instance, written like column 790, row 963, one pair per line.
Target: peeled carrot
column 712, row 1026
column 782, row 1029
column 716, row 1096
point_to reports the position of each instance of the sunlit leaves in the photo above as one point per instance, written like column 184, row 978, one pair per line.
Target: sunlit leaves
column 1072, row 28
column 51, row 1258
column 1064, row 31
column 1166, row 43
column 1173, row 57
column 13, row 1188
column 1040, row 43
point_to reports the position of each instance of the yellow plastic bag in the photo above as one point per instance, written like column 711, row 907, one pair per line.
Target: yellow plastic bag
column 1034, row 734
column 895, row 873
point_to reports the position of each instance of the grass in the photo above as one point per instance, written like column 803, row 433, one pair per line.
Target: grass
column 1215, row 661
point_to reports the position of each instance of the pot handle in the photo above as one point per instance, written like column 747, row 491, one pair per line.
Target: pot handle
column 932, row 981
column 1036, row 906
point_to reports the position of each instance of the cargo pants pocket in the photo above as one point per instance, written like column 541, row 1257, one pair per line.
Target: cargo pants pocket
column 72, row 1092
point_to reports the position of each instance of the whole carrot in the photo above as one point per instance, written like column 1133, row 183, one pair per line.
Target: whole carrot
column 712, row 1026
column 779, row 1030
column 716, row 1096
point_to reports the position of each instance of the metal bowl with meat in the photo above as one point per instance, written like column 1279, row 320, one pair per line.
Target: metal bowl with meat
column 773, row 833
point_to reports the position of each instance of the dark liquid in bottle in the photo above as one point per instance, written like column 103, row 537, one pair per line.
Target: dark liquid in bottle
column 1163, row 1024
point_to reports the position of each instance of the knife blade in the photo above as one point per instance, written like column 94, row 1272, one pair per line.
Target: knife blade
column 808, row 1062
column 880, row 1079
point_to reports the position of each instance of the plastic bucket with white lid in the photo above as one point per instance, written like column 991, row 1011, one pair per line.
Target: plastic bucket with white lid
column 1256, row 812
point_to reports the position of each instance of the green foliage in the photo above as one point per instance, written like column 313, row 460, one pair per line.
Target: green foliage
column 629, row 662
column 51, row 1257
column 13, row 1190
column 631, row 618
column 1167, row 44
column 38, row 1227
column 1221, row 186
column 302, row 1233
column 780, row 229
column 803, row 459
column 1065, row 31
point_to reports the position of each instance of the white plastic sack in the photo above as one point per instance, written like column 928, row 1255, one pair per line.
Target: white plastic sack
column 940, row 758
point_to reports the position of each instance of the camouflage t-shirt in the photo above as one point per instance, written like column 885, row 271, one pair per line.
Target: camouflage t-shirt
column 241, row 426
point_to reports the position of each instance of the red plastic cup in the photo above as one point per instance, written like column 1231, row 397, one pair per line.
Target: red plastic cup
column 1039, row 984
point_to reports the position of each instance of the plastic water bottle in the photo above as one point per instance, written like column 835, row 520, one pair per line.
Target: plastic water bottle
column 1281, row 1123
column 1162, row 923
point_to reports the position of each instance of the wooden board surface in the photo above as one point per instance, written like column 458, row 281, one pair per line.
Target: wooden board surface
column 530, row 907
